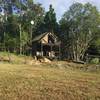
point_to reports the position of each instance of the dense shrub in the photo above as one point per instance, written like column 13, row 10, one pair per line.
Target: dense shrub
column 95, row 61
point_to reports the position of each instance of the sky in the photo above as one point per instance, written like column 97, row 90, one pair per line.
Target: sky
column 61, row 6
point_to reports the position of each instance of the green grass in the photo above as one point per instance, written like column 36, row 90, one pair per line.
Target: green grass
column 14, row 58
column 43, row 82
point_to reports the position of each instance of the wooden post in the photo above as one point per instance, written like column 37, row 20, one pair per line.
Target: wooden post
column 41, row 50
column 51, row 51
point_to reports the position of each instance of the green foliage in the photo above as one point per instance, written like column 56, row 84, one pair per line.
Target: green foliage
column 11, row 42
column 96, row 44
column 95, row 61
column 15, row 29
column 79, row 25
column 24, row 38
column 50, row 20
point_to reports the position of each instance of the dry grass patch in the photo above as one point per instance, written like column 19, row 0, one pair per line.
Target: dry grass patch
column 41, row 82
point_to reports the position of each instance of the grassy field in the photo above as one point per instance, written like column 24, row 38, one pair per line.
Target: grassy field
column 43, row 82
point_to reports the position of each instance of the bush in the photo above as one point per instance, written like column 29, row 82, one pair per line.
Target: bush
column 95, row 61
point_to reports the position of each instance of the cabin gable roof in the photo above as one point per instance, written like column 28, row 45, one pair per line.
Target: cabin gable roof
column 39, row 37
column 42, row 36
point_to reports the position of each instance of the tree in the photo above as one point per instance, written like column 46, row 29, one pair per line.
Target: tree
column 33, row 12
column 79, row 25
column 16, row 21
column 1, row 33
column 50, row 22
column 94, row 48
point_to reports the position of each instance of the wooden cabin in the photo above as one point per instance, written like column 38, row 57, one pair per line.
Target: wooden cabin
column 46, row 45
